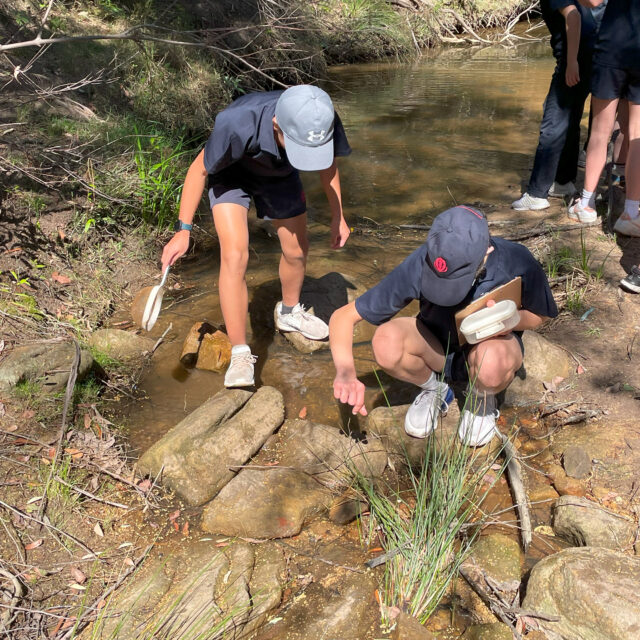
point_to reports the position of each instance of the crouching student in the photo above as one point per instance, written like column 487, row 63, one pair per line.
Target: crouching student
column 458, row 263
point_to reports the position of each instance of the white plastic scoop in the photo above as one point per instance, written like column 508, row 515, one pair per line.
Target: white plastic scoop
column 146, row 306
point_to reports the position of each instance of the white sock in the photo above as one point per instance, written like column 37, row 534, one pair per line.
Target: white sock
column 432, row 383
column 240, row 348
column 588, row 199
column 631, row 208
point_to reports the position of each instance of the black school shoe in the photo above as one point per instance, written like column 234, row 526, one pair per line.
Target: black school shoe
column 632, row 281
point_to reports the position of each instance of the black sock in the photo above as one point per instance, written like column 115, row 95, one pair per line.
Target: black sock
column 284, row 309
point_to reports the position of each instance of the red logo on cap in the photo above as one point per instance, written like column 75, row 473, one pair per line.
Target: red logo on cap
column 440, row 265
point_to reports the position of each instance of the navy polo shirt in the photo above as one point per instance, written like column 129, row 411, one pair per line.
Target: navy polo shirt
column 243, row 136
column 507, row 261
column 618, row 43
column 555, row 22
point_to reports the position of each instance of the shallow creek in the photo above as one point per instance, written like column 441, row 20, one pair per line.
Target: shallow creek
column 457, row 126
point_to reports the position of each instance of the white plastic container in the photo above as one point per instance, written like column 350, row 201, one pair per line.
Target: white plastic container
column 502, row 316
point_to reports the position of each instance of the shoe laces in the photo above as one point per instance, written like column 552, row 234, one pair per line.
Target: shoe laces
column 243, row 358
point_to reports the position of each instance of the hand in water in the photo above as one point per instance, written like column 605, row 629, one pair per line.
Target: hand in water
column 350, row 391
column 175, row 248
column 339, row 233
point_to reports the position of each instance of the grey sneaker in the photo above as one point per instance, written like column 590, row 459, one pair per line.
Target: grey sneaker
column 422, row 415
column 240, row 371
column 301, row 321
column 586, row 215
column 478, row 422
column 527, row 202
column 632, row 281
column 561, row 190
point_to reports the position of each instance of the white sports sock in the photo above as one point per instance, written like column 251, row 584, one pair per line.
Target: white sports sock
column 432, row 383
column 588, row 199
column 240, row 348
column 631, row 208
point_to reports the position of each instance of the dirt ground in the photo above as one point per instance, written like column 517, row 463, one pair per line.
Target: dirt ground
column 57, row 278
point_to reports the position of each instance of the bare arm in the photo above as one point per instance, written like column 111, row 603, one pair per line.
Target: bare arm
column 590, row 4
column 529, row 320
column 573, row 25
column 346, row 386
column 331, row 184
column 194, row 184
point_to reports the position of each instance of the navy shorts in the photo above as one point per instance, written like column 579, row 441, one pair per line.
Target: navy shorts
column 275, row 198
column 456, row 368
column 608, row 83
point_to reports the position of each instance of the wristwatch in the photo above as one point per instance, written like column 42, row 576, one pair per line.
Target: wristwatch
column 182, row 226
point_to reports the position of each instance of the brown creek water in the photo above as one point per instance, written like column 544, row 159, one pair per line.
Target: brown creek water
column 456, row 126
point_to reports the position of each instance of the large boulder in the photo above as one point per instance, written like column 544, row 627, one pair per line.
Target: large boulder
column 275, row 501
column 543, row 361
column 584, row 524
column 227, row 590
column 203, row 452
column 120, row 345
column 264, row 503
column 593, row 593
column 47, row 363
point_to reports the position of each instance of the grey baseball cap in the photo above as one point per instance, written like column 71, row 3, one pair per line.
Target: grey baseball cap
column 305, row 114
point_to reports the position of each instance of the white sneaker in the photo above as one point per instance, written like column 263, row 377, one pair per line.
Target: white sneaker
column 528, row 202
column 301, row 321
column 422, row 415
column 478, row 421
column 627, row 226
column 586, row 215
column 240, row 371
column 561, row 190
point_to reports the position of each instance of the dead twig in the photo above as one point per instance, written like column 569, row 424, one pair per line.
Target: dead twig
column 82, row 492
column 71, row 383
column 161, row 338
column 315, row 557
column 18, row 591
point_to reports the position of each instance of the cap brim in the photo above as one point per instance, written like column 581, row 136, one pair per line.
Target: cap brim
column 306, row 158
column 445, row 292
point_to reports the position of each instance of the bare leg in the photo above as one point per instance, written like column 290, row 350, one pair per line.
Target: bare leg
column 231, row 226
column 604, row 117
column 633, row 159
column 292, row 233
column 408, row 351
column 494, row 362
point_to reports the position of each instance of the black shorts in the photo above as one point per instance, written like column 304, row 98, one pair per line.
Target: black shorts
column 608, row 83
column 456, row 367
column 275, row 198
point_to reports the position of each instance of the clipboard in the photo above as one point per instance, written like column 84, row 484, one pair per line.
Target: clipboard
column 512, row 290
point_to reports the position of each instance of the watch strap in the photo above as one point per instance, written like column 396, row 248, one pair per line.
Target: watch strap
column 182, row 226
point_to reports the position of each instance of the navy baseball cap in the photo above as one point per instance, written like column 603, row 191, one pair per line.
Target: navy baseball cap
column 456, row 246
column 306, row 115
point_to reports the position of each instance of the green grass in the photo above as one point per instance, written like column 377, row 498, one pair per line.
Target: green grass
column 27, row 390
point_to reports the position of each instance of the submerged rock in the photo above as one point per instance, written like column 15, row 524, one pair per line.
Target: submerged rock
column 46, row 363
column 201, row 454
column 593, row 592
column 495, row 631
column 497, row 557
column 583, row 523
column 119, row 344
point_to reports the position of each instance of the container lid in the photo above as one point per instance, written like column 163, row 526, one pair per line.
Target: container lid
column 482, row 320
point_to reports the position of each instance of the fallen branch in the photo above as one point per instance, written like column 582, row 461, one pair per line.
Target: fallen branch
column 18, row 591
column 82, row 492
column 514, row 473
column 546, row 230
column 71, row 383
column 48, row 525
